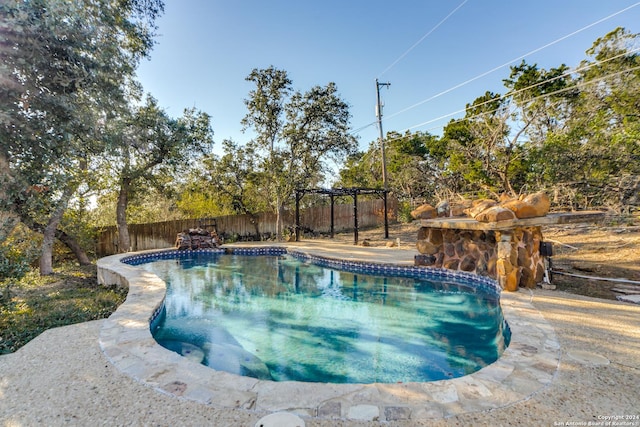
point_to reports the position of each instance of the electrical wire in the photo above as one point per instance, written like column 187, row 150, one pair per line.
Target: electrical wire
column 511, row 94
column 421, row 39
column 510, row 62
column 577, row 86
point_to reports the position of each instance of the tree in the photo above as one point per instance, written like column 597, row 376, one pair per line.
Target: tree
column 232, row 184
column 606, row 111
column 298, row 131
column 362, row 169
column 414, row 166
column 63, row 65
column 480, row 146
column 596, row 143
column 541, row 103
column 150, row 147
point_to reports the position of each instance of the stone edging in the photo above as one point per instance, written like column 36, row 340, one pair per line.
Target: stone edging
column 527, row 366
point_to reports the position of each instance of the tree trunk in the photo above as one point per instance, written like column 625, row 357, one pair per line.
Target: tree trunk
column 74, row 246
column 68, row 240
column 49, row 232
column 256, row 224
column 124, row 241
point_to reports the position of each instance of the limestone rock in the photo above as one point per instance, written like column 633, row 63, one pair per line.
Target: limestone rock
column 468, row 263
column 451, row 264
column 503, row 267
column 527, row 278
column 540, row 201
column 531, row 206
column 443, row 208
column 504, row 197
column 425, row 260
column 423, row 233
column 479, row 206
column 426, row 247
column 424, row 212
column 495, row 214
column 512, row 280
column 458, row 208
column 435, row 236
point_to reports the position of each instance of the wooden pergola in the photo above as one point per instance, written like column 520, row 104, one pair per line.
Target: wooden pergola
column 336, row 192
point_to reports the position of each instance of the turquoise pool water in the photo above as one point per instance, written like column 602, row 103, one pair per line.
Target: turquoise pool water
column 280, row 318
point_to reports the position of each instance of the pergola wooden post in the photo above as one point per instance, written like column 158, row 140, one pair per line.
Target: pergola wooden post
column 332, row 193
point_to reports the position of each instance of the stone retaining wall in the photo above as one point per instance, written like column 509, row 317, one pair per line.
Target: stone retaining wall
column 512, row 257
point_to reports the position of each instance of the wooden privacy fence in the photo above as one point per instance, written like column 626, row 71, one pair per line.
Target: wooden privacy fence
column 262, row 226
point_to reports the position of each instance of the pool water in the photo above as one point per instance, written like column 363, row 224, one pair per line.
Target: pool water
column 280, row 318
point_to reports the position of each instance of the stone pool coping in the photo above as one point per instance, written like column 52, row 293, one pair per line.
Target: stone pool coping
column 527, row 366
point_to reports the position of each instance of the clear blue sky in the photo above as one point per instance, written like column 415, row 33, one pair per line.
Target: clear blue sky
column 206, row 48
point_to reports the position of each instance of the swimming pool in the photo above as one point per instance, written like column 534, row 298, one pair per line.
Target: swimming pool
column 288, row 317
column 528, row 365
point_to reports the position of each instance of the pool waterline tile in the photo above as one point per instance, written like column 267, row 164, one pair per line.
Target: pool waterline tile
column 512, row 378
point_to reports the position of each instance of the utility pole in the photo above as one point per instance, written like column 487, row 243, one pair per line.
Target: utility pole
column 379, row 115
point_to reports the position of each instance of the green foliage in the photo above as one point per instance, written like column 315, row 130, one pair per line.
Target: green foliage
column 197, row 204
column 36, row 303
column 17, row 253
column 296, row 133
column 575, row 134
column 67, row 68
column 404, row 212
column 362, row 170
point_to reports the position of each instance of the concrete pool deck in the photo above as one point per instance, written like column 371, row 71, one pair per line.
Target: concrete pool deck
column 572, row 359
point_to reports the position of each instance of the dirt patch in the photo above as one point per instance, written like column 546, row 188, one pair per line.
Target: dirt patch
column 597, row 252
column 594, row 250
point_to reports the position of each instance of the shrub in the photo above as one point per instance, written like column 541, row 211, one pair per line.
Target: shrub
column 17, row 253
column 404, row 212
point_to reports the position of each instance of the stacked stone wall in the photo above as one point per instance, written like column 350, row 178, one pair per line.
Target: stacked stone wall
column 512, row 257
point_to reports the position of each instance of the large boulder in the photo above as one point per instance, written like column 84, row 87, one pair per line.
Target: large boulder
column 478, row 206
column 443, row 208
column 540, row 201
column 424, row 212
column 495, row 214
column 531, row 206
column 458, row 208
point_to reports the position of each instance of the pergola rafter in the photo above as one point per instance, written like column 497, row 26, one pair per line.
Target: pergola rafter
column 337, row 192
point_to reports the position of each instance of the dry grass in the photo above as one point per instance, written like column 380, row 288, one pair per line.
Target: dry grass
column 597, row 250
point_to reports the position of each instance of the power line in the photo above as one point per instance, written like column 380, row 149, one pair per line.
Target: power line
column 510, row 94
column 577, row 86
column 511, row 61
column 422, row 38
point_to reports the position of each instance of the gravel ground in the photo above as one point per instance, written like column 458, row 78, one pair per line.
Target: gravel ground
column 62, row 379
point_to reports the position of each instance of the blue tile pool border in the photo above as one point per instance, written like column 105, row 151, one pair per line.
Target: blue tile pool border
column 167, row 254
column 470, row 280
